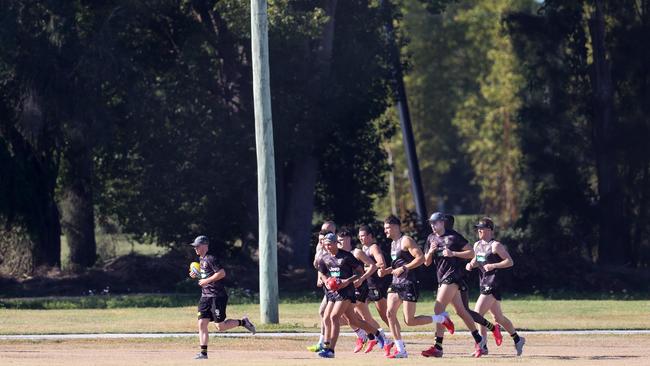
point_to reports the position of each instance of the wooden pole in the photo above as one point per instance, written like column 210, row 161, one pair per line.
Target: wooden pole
column 268, row 253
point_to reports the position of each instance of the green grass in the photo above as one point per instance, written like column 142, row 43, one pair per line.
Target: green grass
column 303, row 317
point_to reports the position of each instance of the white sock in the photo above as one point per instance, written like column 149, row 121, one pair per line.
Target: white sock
column 439, row 318
column 361, row 334
column 321, row 339
column 400, row 346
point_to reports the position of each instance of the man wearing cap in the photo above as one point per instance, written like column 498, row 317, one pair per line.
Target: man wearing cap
column 492, row 257
column 214, row 299
column 446, row 251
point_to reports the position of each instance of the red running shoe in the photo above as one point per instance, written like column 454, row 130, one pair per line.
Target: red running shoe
column 496, row 332
column 359, row 345
column 432, row 352
column 371, row 345
column 387, row 348
column 480, row 349
column 449, row 325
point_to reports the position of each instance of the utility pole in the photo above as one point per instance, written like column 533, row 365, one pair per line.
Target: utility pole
column 404, row 115
column 268, row 226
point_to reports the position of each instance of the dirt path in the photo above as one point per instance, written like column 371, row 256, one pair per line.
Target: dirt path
column 541, row 349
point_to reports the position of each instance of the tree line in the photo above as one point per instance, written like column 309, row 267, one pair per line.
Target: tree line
column 140, row 114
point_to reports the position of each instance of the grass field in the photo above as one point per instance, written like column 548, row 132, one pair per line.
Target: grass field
column 288, row 351
column 527, row 315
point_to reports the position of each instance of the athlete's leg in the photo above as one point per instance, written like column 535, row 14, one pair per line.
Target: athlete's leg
column 381, row 306
column 204, row 334
column 495, row 309
column 507, row 324
column 483, row 304
column 411, row 319
column 338, row 308
column 393, row 304
column 362, row 310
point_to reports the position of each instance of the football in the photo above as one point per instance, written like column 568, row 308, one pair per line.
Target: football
column 195, row 268
column 333, row 283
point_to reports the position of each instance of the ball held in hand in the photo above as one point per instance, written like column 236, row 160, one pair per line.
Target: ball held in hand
column 333, row 283
column 195, row 268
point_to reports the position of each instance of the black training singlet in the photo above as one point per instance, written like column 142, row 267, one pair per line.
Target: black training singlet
column 447, row 266
column 375, row 281
column 400, row 258
column 484, row 255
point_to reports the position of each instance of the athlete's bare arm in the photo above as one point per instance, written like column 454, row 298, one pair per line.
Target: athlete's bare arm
column 466, row 253
column 428, row 257
column 378, row 256
column 506, row 261
column 370, row 266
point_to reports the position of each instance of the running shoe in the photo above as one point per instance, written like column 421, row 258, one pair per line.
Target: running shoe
column 388, row 347
column 371, row 345
column 480, row 349
column 519, row 346
column 496, row 332
column 399, row 355
column 201, row 356
column 326, row 353
column 248, row 325
column 359, row 345
column 315, row 347
column 432, row 352
column 449, row 325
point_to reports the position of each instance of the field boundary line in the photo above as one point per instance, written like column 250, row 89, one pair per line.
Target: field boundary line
column 285, row 334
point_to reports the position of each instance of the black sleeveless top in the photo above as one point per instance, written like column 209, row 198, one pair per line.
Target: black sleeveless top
column 375, row 281
column 484, row 255
column 400, row 258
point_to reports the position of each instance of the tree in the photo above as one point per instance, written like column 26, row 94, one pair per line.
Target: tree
column 486, row 120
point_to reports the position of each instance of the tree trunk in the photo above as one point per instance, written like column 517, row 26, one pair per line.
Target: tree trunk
column 299, row 209
column 77, row 212
column 301, row 185
column 30, row 236
column 612, row 226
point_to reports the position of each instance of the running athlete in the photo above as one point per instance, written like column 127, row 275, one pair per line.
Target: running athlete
column 361, row 291
column 490, row 257
column 446, row 251
column 327, row 227
column 406, row 257
column 345, row 269
column 214, row 299
column 377, row 286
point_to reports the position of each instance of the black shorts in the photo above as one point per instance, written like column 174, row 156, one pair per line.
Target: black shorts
column 376, row 294
column 361, row 293
column 213, row 308
column 462, row 285
column 406, row 292
column 489, row 290
column 334, row 296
